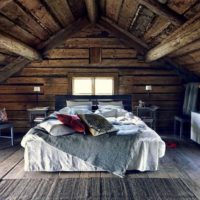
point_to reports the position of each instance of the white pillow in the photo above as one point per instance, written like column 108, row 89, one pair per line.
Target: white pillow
column 111, row 104
column 79, row 104
column 55, row 127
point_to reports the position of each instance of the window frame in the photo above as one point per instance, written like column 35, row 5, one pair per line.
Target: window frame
column 93, row 75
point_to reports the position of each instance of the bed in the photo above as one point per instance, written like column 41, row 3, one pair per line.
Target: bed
column 146, row 146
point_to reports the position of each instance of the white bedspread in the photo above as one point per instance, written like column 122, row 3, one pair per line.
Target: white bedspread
column 148, row 147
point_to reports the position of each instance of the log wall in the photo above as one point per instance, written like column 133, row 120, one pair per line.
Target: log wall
column 74, row 57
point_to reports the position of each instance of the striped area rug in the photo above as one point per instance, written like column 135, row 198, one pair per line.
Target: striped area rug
column 95, row 188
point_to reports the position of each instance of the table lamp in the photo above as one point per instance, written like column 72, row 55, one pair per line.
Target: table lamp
column 36, row 89
column 148, row 88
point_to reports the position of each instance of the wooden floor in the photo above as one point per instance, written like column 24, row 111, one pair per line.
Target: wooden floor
column 182, row 162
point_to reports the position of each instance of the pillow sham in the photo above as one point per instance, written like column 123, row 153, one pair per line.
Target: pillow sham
column 55, row 127
column 79, row 104
column 97, row 124
column 73, row 121
column 110, row 104
column 3, row 115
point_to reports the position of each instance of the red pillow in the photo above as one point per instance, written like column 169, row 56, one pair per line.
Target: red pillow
column 72, row 121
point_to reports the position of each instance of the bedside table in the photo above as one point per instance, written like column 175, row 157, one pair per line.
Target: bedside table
column 148, row 114
column 37, row 115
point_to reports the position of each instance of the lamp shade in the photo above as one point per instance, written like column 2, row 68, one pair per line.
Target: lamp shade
column 36, row 89
column 148, row 87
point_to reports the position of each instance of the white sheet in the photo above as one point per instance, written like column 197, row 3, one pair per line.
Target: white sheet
column 149, row 147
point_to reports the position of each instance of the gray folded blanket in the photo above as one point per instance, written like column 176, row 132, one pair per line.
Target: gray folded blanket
column 111, row 153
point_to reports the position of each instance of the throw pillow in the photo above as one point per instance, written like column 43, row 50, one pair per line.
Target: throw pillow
column 73, row 121
column 3, row 115
column 97, row 124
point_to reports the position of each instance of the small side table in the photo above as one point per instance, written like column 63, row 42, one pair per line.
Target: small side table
column 148, row 114
column 36, row 115
column 7, row 125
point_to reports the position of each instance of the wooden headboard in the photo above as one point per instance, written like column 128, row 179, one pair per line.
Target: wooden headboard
column 60, row 100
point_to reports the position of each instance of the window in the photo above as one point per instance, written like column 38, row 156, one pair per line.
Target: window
column 92, row 85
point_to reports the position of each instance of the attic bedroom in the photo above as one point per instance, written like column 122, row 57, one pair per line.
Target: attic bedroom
column 99, row 99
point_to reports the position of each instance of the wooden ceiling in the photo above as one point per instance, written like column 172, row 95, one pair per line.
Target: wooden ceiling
column 147, row 24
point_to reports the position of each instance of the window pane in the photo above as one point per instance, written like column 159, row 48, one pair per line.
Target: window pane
column 104, row 86
column 82, row 86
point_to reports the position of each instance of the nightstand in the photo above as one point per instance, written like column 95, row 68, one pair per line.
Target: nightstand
column 37, row 115
column 148, row 114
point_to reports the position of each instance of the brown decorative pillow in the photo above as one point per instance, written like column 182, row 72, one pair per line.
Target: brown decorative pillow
column 3, row 115
column 97, row 124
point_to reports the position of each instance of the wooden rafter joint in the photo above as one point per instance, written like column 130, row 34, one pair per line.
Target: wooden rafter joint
column 92, row 10
column 163, row 11
column 15, row 46
column 183, row 36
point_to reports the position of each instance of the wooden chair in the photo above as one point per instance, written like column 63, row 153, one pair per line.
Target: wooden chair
column 7, row 125
column 182, row 120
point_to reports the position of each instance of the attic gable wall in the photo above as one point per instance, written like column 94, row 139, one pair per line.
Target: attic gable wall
column 73, row 56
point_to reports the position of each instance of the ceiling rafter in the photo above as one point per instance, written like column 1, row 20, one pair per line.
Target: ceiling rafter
column 163, row 11
column 20, row 63
column 12, row 68
column 142, row 48
column 184, row 35
column 92, row 10
column 4, row 3
column 16, row 46
column 128, row 38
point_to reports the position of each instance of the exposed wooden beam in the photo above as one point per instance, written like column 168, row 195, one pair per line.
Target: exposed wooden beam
column 92, row 10
column 63, row 35
column 163, row 11
column 4, row 3
column 184, row 35
column 129, row 39
column 13, row 45
column 13, row 68
column 53, row 42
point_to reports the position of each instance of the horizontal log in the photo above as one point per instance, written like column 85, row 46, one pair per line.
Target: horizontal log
column 138, row 80
column 92, row 42
column 55, row 89
column 85, row 63
column 156, row 89
column 141, row 72
column 67, row 53
column 60, row 72
column 119, row 53
column 10, row 89
column 38, row 80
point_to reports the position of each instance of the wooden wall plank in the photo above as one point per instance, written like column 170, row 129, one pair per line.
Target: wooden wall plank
column 92, row 42
column 67, row 53
column 119, row 53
